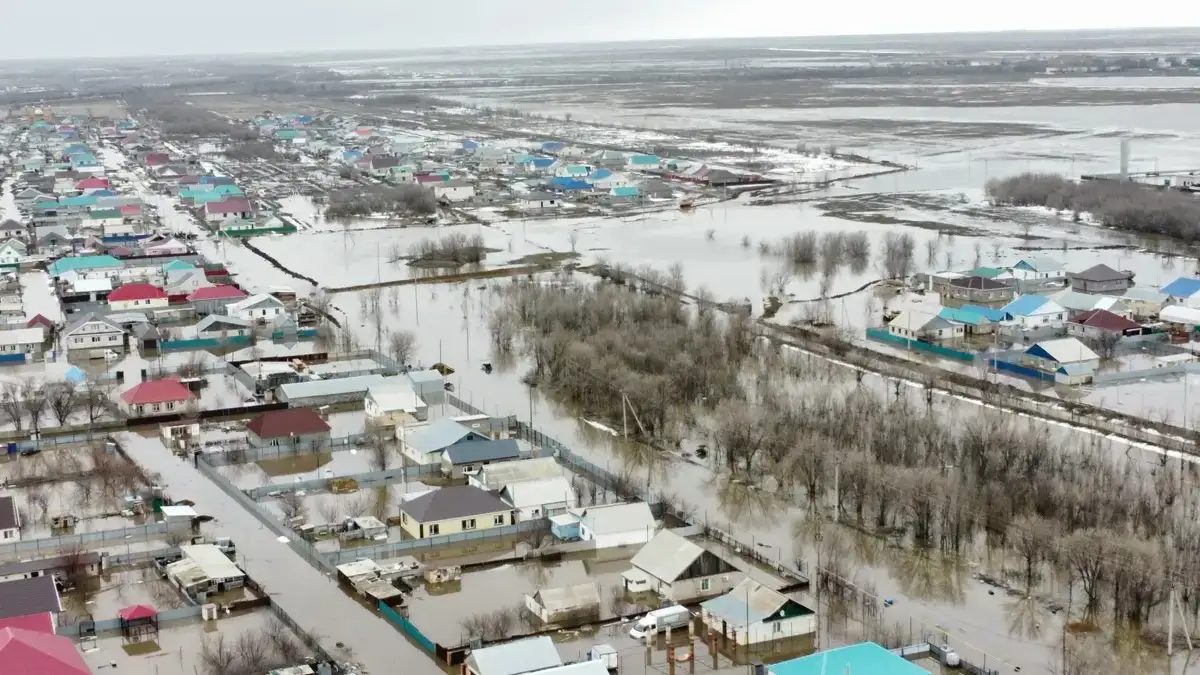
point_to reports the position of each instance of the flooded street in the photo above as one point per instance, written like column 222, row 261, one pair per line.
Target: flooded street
column 312, row 599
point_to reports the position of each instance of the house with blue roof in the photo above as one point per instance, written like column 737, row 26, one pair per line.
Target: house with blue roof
column 865, row 658
column 1035, row 311
column 563, row 184
column 543, row 163
column 553, row 146
column 1183, row 291
column 216, row 180
column 351, row 156
column 84, row 160
column 989, row 313
column 470, row 146
column 1040, row 269
column 1071, row 361
column 974, row 323
column 82, row 264
column 573, row 171
column 643, row 162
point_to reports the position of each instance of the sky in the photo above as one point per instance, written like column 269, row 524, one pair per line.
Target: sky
column 115, row 28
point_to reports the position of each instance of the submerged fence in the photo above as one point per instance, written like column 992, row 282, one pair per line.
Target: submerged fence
column 391, row 549
column 365, row 480
column 408, row 627
column 88, row 540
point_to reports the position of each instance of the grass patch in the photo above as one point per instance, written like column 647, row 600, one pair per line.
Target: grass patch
column 296, row 464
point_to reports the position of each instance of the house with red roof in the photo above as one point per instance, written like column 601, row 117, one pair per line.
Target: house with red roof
column 1097, row 324
column 158, row 397
column 213, row 299
column 294, row 427
column 133, row 297
column 94, row 183
column 157, row 159
column 232, row 207
column 27, row 652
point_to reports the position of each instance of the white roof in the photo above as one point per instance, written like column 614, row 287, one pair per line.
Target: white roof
column 359, row 567
column 496, row 476
column 23, row 336
column 1067, row 350
column 539, row 492
column 912, row 319
column 1180, row 314
column 569, row 598
column 666, row 556
column 395, row 394
column 216, row 565
column 93, row 285
column 612, row 518
column 179, row 511
column 253, row 301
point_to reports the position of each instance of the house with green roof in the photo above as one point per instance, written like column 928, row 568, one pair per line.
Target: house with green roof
column 178, row 266
column 89, row 263
column 243, row 227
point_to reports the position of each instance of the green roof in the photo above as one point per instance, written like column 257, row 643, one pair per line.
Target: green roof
column 178, row 266
column 100, row 214
column 89, row 262
column 986, row 272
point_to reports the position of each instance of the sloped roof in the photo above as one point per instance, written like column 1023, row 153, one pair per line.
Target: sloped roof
column 1063, row 350
column 219, row 292
column 1026, row 305
column 507, row 473
column 470, row 452
column 26, row 652
column 1183, row 287
column 222, row 322
column 395, row 394
column 666, row 556
column 978, row 283
column 137, row 292
column 158, row 391
column 1179, row 314
column 912, row 319
column 1101, row 272
column 137, row 612
column 569, row 598
column 538, row 493
column 865, row 657
column 229, row 205
column 455, row 501
column 513, row 658
column 284, row 423
column 8, row 513
column 612, row 518
column 42, row 622
column 91, row 316
column 29, row 596
column 1105, row 320
column 1040, row 264
column 437, row 435
column 748, row 601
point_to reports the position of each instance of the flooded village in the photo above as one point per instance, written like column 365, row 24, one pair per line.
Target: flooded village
column 324, row 383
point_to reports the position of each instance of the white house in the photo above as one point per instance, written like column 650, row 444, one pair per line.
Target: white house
column 915, row 324
column 258, row 307
column 390, row 403
column 453, row 191
column 609, row 181
column 539, row 200
column 1183, row 291
column 1039, row 268
column 10, row 520
column 1034, row 311
column 168, row 246
column 93, row 333
column 611, row 525
column 221, row 327
column 679, row 570
column 752, row 614
column 22, row 340
column 540, row 498
column 12, row 252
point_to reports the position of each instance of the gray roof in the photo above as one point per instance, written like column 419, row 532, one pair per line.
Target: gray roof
column 522, row 656
column 748, row 601
column 539, row 197
column 90, row 316
column 220, row 319
column 666, row 556
column 28, row 596
column 569, row 597
column 612, row 518
column 1101, row 272
column 56, row 563
column 8, row 513
column 457, row 182
column 437, row 435
column 483, row 451
column 335, row 387
column 456, row 501
column 146, row 331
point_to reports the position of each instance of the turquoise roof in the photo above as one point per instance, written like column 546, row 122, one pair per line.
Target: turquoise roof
column 178, row 266
column 90, row 262
column 287, row 134
column 629, row 191
column 963, row 316
column 81, row 200
column 84, row 158
column 986, row 312
column 866, row 658
column 1025, row 305
column 644, row 160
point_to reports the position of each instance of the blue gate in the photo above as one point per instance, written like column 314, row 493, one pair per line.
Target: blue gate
column 408, row 627
column 12, row 359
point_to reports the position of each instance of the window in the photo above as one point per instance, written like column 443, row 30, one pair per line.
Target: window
column 156, row 407
column 96, row 339
column 776, row 627
column 468, row 524
column 170, row 405
column 705, row 584
column 8, row 534
column 403, row 517
column 433, row 529
column 498, row 520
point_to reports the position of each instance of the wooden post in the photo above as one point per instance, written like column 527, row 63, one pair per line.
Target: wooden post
column 691, row 649
column 670, row 659
column 647, row 639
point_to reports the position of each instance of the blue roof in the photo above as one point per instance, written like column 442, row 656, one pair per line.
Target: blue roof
column 470, row 452
column 644, row 160
column 75, row 376
column 962, row 315
column 102, row 193
column 439, row 435
column 178, row 266
column 628, row 191
column 986, row 312
column 866, row 657
column 600, row 174
column 1183, row 287
column 89, row 262
column 469, row 145
column 543, row 162
column 1025, row 305
column 553, row 146
column 570, row 184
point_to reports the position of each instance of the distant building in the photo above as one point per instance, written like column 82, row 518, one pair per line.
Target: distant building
column 1100, row 279
column 977, row 290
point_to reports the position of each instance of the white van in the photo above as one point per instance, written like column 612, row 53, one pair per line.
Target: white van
column 660, row 620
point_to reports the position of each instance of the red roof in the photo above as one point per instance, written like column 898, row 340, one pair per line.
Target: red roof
column 284, row 423
column 363, row 132
column 93, row 183
column 189, row 180
column 157, row 158
column 427, row 178
column 158, row 391
column 218, row 292
column 138, row 612
column 137, row 292
column 231, row 205
column 1105, row 320
column 39, row 320
column 38, row 623
column 25, row 652
column 130, row 209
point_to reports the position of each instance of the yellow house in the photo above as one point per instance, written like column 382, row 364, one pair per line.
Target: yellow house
column 453, row 510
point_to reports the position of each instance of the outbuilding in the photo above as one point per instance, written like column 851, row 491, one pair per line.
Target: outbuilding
column 578, row 603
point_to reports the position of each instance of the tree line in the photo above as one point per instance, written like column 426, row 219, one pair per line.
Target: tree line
column 404, row 199
column 1117, row 204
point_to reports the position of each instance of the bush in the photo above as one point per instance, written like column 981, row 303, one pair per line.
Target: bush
column 405, row 199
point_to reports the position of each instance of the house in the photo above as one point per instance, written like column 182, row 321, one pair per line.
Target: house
column 454, row 510
column 977, row 290
column 466, row 457
column 293, row 427
column 580, row 602
column 1143, row 302
column 427, row 443
column 158, row 397
column 1071, row 361
column 1181, row 317
column 1035, row 311
column 1183, row 291
column 973, row 322
column 915, row 324
column 608, row 525
column 214, row 299
column 1077, row 303
column 453, row 191
column 497, row 476
column 12, row 252
column 1040, row 269
column 643, row 162
column 625, row 192
column 93, row 333
column 28, row 652
column 10, row 520
column 326, row 392
column 205, row 569
column 34, row 595
column 231, row 207
column 539, row 200
column 26, row 341
column 1100, row 324
column 103, row 265
column 164, row 246
column 535, row 499
column 382, row 165
column 515, row 658
column 752, row 614
column 391, row 404
column 134, row 297
column 259, row 308
column 865, row 657
column 85, row 562
column 679, row 570
column 1100, row 279
column 223, row 327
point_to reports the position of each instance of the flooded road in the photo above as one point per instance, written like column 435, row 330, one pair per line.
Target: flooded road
column 311, row 598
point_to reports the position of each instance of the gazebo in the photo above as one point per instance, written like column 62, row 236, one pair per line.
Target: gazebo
column 139, row 623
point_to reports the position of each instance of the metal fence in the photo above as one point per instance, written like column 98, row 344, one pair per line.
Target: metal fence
column 391, row 549
column 300, row 546
column 185, row 612
column 135, row 557
column 87, row 540
column 305, row 636
column 364, row 480
column 240, row 452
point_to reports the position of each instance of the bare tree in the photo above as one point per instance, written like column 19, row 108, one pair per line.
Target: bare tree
column 63, row 399
column 10, row 405
column 1031, row 538
column 401, row 346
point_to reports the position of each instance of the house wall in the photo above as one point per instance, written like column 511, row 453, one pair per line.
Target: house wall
column 1048, row 320
column 1110, row 286
column 485, row 521
column 91, row 569
column 701, row 587
column 302, row 441
column 1087, row 332
column 614, row 539
column 256, row 313
column 10, row 534
column 461, row 470
column 138, row 305
column 96, row 336
column 182, row 407
column 767, row 631
column 392, row 418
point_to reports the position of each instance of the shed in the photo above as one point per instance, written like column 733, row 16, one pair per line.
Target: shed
column 561, row 605
column 426, row 382
column 514, row 658
column 324, row 392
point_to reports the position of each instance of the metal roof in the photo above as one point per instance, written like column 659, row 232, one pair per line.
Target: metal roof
column 210, row 559
column 538, row 493
column 470, row 452
column 337, row 387
column 455, row 501
column 569, row 597
column 437, row 435
column 513, row 658
column 29, row 596
column 496, row 476
column 749, row 601
column 865, row 657
column 610, row 518
column 1183, row 287
column 395, row 394
column 666, row 556
column 1063, row 350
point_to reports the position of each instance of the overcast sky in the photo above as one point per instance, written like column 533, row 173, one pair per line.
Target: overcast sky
column 145, row 27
